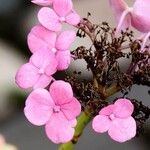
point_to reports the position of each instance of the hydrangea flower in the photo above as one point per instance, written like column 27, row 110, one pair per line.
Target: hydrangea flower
column 40, row 37
column 137, row 16
column 121, row 12
column 38, row 71
column 43, row 2
column 63, row 12
column 56, row 109
column 117, row 120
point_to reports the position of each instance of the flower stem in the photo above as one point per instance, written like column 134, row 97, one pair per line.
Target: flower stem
column 83, row 120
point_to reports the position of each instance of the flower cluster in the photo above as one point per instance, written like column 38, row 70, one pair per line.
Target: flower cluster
column 56, row 109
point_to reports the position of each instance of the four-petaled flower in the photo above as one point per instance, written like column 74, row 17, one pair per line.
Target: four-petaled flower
column 56, row 109
column 137, row 16
column 40, row 37
column 37, row 73
column 63, row 12
column 117, row 120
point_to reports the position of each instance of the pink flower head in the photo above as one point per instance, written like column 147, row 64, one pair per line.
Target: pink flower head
column 43, row 2
column 117, row 120
column 38, row 71
column 63, row 12
column 56, row 109
column 40, row 37
column 137, row 16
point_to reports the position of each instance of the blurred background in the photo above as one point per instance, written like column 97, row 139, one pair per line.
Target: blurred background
column 17, row 17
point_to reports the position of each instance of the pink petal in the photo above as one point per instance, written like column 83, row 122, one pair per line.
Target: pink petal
column 42, row 2
column 61, row 92
column 39, row 106
column 107, row 110
column 62, row 7
column 122, row 14
column 40, row 37
column 65, row 39
column 27, row 76
column 64, row 59
column 72, row 109
column 125, row 21
column 58, row 129
column 73, row 19
column 141, row 17
column 44, row 58
column 140, row 23
column 122, row 130
column 52, row 67
column 49, row 19
column 123, row 108
column 101, row 123
column 118, row 7
column 73, row 122
column 43, row 81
